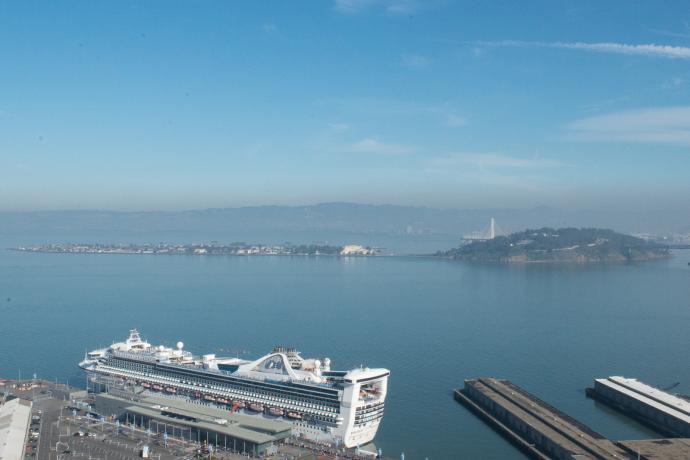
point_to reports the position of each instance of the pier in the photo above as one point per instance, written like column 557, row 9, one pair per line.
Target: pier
column 532, row 425
column 663, row 412
column 543, row 432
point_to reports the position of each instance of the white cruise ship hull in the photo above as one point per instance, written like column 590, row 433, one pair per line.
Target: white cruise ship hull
column 345, row 407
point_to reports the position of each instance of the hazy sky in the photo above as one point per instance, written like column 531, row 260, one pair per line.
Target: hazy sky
column 180, row 104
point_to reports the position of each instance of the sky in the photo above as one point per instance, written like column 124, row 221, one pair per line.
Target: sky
column 166, row 105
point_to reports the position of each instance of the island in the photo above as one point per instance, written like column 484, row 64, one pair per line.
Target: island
column 233, row 249
column 579, row 245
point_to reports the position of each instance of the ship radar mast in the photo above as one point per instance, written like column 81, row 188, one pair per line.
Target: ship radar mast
column 134, row 336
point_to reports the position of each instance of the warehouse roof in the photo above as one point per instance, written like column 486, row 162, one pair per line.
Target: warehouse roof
column 653, row 397
column 208, row 412
column 230, row 429
column 15, row 416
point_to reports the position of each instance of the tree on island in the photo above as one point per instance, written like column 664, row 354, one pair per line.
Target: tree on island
column 559, row 245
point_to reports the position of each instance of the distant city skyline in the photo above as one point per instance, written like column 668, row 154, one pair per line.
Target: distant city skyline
column 165, row 105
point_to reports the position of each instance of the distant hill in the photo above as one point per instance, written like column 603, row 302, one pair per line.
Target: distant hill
column 329, row 217
column 345, row 217
column 559, row 245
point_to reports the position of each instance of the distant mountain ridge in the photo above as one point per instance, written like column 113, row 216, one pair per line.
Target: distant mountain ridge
column 341, row 217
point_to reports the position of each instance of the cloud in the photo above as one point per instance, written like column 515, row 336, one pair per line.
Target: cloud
column 415, row 61
column 353, row 6
column 647, row 50
column 269, row 28
column 385, row 110
column 403, row 6
column 339, row 126
column 659, row 125
column 494, row 169
column 494, row 161
column 651, row 50
column 673, row 83
column 600, row 105
column 370, row 145
column 477, row 51
column 669, row 33
column 389, row 6
column 455, row 121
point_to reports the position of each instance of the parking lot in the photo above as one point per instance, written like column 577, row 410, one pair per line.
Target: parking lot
column 81, row 436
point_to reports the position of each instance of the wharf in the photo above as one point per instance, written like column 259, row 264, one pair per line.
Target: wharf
column 544, row 432
column 196, row 422
column 61, row 411
column 535, row 427
column 666, row 449
column 666, row 413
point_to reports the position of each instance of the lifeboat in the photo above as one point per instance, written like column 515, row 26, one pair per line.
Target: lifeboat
column 294, row 415
column 157, row 387
column 221, row 400
column 256, row 407
column 170, row 390
column 146, row 385
column 239, row 404
column 209, row 398
column 276, row 411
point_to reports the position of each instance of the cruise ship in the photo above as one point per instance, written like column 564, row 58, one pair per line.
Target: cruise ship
column 343, row 407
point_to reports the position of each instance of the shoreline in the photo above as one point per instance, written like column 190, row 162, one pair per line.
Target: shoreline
column 235, row 249
column 377, row 255
column 557, row 262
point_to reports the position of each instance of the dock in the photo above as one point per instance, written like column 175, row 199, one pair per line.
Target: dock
column 68, row 422
column 535, row 427
column 663, row 412
column 196, row 422
column 658, row 449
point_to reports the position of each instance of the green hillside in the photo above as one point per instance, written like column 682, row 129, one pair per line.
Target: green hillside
column 559, row 245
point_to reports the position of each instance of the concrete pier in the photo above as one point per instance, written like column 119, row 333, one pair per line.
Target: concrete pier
column 666, row 413
column 657, row 449
column 538, row 429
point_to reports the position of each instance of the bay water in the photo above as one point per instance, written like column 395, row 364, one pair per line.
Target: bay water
column 551, row 329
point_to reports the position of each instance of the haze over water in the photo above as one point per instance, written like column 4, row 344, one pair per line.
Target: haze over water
column 433, row 323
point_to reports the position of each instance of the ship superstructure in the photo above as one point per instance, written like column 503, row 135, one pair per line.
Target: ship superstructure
column 326, row 405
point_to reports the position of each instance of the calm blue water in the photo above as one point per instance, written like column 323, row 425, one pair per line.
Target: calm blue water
column 550, row 329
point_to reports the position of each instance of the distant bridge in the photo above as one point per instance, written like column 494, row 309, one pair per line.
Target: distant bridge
column 489, row 233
